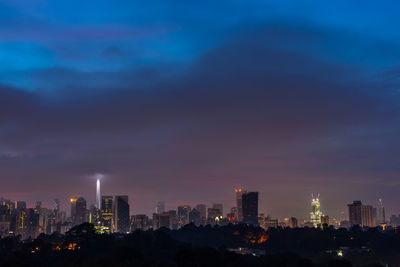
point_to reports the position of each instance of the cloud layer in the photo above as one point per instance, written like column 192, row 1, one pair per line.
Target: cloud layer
column 285, row 110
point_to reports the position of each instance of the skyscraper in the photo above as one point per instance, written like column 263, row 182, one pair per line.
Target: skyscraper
column 239, row 193
column 183, row 215
column 160, row 208
column 98, row 198
column 94, row 215
column 250, row 207
column 375, row 216
column 315, row 214
column 355, row 213
column 80, row 211
column 73, row 207
column 381, row 213
column 367, row 216
column 121, row 214
column 106, row 211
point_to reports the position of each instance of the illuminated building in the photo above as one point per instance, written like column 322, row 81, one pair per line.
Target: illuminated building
column 80, row 211
column 261, row 219
column 292, row 222
column 250, row 207
column 121, row 214
column 270, row 223
column 194, row 217
column 160, row 208
column 183, row 215
column 232, row 215
column 355, row 213
column 44, row 219
column 94, row 215
column 284, row 223
column 239, row 193
column 381, row 213
column 214, row 216
column 106, row 211
column 315, row 214
column 366, row 216
column 73, row 208
column 162, row 220
column 22, row 223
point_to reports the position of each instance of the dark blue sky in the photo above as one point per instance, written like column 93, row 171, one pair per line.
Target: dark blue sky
column 183, row 101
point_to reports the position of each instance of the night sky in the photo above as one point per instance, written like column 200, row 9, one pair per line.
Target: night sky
column 183, row 101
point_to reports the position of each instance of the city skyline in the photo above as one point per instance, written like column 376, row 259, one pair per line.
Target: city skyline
column 113, row 215
column 165, row 205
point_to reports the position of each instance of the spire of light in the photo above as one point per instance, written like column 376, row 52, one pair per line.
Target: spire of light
column 98, row 198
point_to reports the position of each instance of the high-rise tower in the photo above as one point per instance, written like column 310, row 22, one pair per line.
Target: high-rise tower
column 381, row 213
column 121, row 214
column 315, row 214
column 239, row 194
column 250, row 208
column 106, row 211
column 80, row 211
column 98, row 197
column 355, row 213
column 367, row 219
column 183, row 215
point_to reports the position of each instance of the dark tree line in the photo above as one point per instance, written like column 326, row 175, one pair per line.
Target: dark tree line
column 206, row 246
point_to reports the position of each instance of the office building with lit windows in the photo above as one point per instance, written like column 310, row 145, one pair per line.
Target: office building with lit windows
column 106, row 212
column 183, row 215
column 315, row 214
